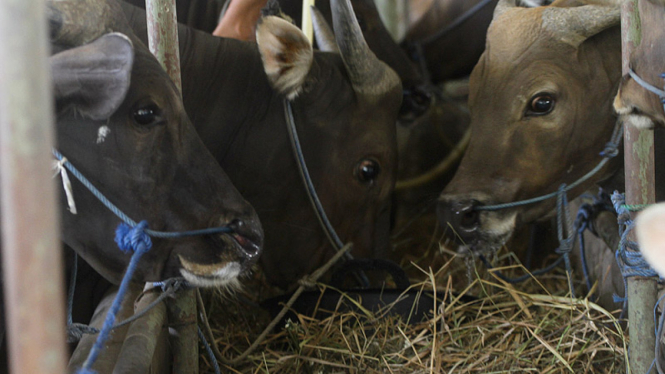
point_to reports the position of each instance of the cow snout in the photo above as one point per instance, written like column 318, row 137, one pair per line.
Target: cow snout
column 459, row 216
column 248, row 235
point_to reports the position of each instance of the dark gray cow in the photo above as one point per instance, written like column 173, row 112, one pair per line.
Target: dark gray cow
column 121, row 122
column 345, row 108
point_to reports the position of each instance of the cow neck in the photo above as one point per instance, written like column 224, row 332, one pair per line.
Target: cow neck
column 327, row 227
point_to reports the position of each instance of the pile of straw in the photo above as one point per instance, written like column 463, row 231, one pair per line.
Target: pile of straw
column 531, row 327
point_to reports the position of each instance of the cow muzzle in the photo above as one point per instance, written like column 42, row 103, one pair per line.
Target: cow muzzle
column 474, row 229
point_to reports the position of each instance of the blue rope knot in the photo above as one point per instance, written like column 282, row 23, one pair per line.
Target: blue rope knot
column 133, row 239
column 611, row 150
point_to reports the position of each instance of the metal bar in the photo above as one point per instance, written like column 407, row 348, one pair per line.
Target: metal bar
column 306, row 23
column 33, row 280
column 163, row 37
column 163, row 43
column 639, row 174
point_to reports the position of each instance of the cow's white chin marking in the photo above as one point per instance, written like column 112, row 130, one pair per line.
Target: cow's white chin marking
column 495, row 232
column 102, row 133
column 226, row 276
column 639, row 121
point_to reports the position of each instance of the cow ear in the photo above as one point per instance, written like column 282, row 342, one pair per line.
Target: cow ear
column 286, row 53
column 650, row 231
column 93, row 79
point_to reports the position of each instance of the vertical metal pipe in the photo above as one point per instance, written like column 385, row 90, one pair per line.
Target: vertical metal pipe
column 32, row 263
column 163, row 36
column 640, row 189
column 306, row 23
column 163, row 43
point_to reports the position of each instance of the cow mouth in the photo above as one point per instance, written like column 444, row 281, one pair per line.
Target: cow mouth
column 222, row 274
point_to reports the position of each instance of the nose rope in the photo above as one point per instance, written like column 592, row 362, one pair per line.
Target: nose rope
column 566, row 229
column 660, row 93
column 130, row 237
column 611, row 150
column 311, row 191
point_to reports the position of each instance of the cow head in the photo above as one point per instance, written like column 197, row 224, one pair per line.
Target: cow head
column 121, row 122
column 633, row 102
column 345, row 105
column 540, row 102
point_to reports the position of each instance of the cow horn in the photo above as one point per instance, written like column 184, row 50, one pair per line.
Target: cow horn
column 367, row 73
column 325, row 38
column 78, row 22
column 502, row 6
column 575, row 25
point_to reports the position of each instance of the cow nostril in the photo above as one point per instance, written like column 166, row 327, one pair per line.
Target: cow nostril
column 469, row 219
column 237, row 225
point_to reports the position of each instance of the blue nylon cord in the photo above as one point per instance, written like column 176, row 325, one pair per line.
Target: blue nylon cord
column 124, row 217
column 610, row 150
column 311, row 191
column 211, row 354
column 134, row 239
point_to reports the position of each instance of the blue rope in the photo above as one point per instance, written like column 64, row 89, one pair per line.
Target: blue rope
column 566, row 236
column 611, row 150
column 628, row 257
column 211, row 355
column 658, row 323
column 124, row 217
column 658, row 92
column 138, row 241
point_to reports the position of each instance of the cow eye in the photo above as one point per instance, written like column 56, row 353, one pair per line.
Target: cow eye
column 148, row 114
column 367, row 171
column 540, row 104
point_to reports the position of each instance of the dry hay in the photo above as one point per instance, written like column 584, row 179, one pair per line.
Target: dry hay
column 531, row 327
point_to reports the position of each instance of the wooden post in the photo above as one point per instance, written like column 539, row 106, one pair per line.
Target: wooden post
column 639, row 165
column 33, row 284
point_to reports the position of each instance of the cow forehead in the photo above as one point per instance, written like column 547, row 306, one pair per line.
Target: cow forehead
column 513, row 32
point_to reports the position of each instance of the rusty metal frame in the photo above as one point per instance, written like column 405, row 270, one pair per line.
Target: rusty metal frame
column 32, row 263
column 640, row 189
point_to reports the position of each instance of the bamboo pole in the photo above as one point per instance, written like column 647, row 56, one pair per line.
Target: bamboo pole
column 33, row 284
column 640, row 189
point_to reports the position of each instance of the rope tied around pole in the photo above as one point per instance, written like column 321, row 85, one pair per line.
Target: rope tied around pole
column 628, row 255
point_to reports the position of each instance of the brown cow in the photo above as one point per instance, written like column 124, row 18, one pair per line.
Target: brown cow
column 540, row 101
column 633, row 102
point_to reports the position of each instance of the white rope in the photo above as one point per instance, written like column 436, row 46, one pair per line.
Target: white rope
column 59, row 167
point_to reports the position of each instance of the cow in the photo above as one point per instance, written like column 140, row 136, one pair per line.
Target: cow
column 345, row 107
column 633, row 102
column 454, row 53
column 417, row 90
column 121, row 122
column 541, row 111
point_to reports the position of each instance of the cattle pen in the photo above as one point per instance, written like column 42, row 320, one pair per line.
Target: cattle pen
column 475, row 319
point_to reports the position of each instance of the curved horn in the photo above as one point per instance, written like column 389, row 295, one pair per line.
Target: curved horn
column 575, row 25
column 502, row 6
column 325, row 38
column 78, row 22
column 367, row 73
